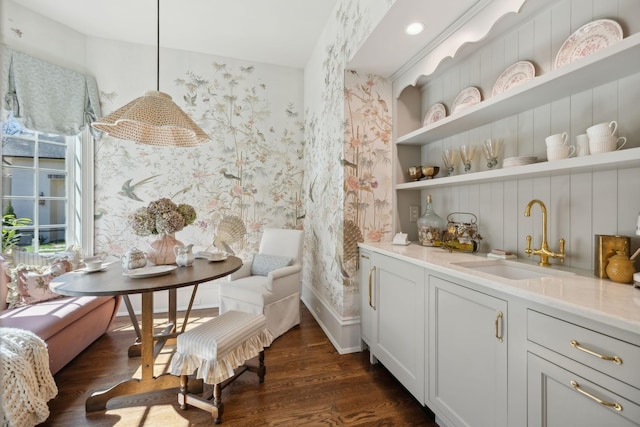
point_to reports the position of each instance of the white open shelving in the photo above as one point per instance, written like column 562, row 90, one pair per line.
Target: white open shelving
column 604, row 161
column 616, row 61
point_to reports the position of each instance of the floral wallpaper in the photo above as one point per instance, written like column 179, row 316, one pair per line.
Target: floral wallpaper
column 247, row 178
column 342, row 157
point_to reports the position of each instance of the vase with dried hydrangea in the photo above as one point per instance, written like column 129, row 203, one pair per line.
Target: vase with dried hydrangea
column 162, row 218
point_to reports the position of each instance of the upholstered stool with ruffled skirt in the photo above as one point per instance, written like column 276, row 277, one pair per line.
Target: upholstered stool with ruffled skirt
column 220, row 350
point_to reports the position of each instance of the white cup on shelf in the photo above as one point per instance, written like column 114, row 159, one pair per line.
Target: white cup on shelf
column 603, row 129
column 560, row 152
column 556, row 140
column 582, row 145
column 606, row 144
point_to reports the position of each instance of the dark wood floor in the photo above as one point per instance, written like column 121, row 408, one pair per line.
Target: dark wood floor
column 307, row 383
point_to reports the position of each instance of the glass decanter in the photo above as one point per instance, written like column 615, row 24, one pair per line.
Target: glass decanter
column 430, row 226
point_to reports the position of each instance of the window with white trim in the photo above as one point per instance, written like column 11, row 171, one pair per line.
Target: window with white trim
column 43, row 181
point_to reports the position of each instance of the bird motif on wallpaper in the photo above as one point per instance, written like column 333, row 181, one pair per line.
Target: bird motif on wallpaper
column 347, row 163
column 183, row 191
column 190, row 100
column 128, row 189
column 227, row 175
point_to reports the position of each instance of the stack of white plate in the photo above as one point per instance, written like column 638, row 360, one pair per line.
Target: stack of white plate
column 518, row 161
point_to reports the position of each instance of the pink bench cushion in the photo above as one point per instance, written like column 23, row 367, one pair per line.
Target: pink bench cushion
column 48, row 318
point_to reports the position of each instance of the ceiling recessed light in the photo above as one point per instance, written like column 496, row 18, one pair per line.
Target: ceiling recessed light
column 414, row 28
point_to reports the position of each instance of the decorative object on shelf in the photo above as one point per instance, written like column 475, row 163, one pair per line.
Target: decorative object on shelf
column 450, row 158
column 434, row 113
column 466, row 98
column 461, row 234
column 588, row 39
column 184, row 255
column 162, row 217
column 514, row 75
column 430, row 226
column 492, row 148
column 428, row 172
column 467, row 154
column 518, row 161
column 415, row 172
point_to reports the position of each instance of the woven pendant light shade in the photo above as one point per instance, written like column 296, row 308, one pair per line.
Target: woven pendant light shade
column 153, row 119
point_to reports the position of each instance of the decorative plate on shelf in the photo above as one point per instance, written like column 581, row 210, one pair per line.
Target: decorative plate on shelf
column 155, row 270
column 514, row 75
column 434, row 113
column 588, row 39
column 466, row 98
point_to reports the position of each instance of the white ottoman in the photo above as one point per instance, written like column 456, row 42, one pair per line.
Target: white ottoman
column 219, row 350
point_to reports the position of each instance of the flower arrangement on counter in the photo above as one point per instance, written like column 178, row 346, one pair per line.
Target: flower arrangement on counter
column 162, row 216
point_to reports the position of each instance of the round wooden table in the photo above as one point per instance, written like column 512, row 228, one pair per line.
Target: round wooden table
column 112, row 281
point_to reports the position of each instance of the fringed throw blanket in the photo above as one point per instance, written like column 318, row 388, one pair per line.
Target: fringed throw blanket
column 26, row 382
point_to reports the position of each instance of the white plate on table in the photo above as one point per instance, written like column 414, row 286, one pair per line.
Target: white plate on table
column 156, row 270
column 514, row 75
column 588, row 39
column 466, row 98
column 218, row 259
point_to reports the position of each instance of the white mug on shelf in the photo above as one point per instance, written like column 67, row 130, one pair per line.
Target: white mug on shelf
column 582, row 145
column 606, row 144
column 603, row 129
column 560, row 152
column 558, row 139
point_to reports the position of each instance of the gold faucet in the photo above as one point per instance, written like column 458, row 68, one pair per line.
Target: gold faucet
column 544, row 250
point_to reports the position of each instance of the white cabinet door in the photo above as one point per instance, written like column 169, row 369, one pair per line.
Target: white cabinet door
column 399, row 289
column 560, row 398
column 368, row 315
column 467, row 355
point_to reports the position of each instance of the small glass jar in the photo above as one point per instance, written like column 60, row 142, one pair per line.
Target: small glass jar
column 430, row 226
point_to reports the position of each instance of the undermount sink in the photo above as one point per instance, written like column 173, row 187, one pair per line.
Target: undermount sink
column 511, row 270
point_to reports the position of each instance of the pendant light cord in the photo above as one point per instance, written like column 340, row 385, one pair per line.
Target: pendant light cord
column 158, row 50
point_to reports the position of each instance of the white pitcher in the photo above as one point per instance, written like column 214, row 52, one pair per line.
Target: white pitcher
column 184, row 255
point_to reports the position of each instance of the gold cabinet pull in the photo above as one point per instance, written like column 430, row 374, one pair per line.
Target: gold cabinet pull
column 371, row 274
column 614, row 405
column 498, row 322
column 364, row 256
column 614, row 359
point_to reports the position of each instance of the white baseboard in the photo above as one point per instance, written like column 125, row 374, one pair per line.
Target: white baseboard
column 344, row 333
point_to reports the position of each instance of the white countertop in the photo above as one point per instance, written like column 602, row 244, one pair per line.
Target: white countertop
column 582, row 294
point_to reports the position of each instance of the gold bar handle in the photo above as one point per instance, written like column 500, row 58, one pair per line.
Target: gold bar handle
column 614, row 405
column 498, row 324
column 370, row 274
column 614, row 359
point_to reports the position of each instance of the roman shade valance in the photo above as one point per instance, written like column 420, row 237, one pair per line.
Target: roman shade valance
column 46, row 97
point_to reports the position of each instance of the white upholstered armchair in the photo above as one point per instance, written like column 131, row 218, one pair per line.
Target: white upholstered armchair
column 270, row 282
